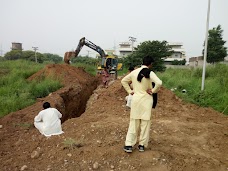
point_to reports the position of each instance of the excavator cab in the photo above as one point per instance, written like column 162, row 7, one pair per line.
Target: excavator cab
column 111, row 63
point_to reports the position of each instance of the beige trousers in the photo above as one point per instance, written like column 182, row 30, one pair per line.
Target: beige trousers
column 132, row 134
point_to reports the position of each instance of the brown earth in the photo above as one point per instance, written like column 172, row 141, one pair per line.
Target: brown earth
column 183, row 136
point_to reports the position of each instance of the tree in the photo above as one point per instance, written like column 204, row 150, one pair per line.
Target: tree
column 216, row 51
column 176, row 62
column 85, row 60
column 1, row 58
column 13, row 55
column 52, row 57
column 156, row 49
column 28, row 55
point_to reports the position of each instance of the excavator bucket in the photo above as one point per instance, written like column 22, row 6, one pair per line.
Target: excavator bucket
column 68, row 56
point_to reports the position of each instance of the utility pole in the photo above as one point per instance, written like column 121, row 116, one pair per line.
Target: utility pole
column 35, row 49
column 205, row 47
column 132, row 40
column 88, row 53
column 114, row 47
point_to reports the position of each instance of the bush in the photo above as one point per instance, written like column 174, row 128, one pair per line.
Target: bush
column 176, row 62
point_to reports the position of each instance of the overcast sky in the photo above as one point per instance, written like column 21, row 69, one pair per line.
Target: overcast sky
column 55, row 26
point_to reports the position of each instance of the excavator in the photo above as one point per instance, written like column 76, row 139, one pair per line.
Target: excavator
column 107, row 61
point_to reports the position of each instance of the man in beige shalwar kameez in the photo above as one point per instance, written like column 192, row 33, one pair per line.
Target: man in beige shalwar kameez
column 141, row 105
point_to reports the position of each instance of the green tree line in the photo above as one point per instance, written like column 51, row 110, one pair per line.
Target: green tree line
column 30, row 56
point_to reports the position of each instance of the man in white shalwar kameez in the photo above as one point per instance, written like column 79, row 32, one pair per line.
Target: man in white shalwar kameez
column 141, row 105
column 48, row 121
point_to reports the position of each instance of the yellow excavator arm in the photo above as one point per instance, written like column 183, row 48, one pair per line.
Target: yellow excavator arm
column 109, row 62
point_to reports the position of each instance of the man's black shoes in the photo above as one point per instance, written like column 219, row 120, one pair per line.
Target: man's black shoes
column 141, row 148
column 128, row 149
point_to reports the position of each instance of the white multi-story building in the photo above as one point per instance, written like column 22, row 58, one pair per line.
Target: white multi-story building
column 178, row 52
column 125, row 48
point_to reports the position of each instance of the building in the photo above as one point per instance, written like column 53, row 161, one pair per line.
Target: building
column 16, row 46
column 226, row 59
column 110, row 52
column 178, row 53
column 125, row 49
column 196, row 61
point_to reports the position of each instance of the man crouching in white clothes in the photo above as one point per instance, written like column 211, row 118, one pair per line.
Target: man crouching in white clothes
column 48, row 121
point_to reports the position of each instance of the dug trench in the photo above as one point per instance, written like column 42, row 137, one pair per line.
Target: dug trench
column 78, row 86
column 183, row 136
column 70, row 100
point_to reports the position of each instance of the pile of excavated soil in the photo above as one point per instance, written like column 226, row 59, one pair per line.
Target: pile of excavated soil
column 183, row 136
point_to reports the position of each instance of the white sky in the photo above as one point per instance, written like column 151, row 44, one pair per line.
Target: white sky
column 55, row 26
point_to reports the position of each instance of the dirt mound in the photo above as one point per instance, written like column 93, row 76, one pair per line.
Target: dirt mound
column 183, row 136
column 67, row 74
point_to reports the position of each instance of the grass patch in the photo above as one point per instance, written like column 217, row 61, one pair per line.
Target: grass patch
column 88, row 68
column 16, row 92
column 215, row 94
column 70, row 143
column 24, row 125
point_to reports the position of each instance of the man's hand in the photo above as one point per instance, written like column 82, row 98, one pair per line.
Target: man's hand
column 149, row 91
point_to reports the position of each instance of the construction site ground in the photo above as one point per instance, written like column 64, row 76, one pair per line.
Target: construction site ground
column 183, row 136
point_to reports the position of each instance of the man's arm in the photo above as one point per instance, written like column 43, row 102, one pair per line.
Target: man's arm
column 157, row 82
column 125, row 82
column 38, row 118
column 59, row 114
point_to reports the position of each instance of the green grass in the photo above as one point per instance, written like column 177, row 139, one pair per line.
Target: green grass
column 215, row 94
column 15, row 91
column 70, row 143
column 88, row 68
column 123, row 71
column 23, row 125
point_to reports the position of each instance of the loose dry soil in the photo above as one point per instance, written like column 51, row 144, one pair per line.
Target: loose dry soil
column 95, row 120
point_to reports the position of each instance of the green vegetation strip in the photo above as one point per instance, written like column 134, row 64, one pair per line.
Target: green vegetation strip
column 215, row 94
column 15, row 91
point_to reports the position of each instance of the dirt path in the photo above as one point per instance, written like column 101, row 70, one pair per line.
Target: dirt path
column 183, row 136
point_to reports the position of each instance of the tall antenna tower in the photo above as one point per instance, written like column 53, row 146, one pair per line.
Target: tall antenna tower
column 114, row 47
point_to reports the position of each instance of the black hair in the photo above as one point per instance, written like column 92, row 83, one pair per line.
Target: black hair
column 147, row 60
column 131, row 68
column 145, row 72
column 46, row 105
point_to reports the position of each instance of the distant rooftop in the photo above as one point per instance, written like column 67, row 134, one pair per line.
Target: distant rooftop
column 175, row 43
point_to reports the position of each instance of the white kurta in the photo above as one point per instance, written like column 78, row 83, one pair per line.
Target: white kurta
column 128, row 99
column 48, row 122
column 141, row 104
